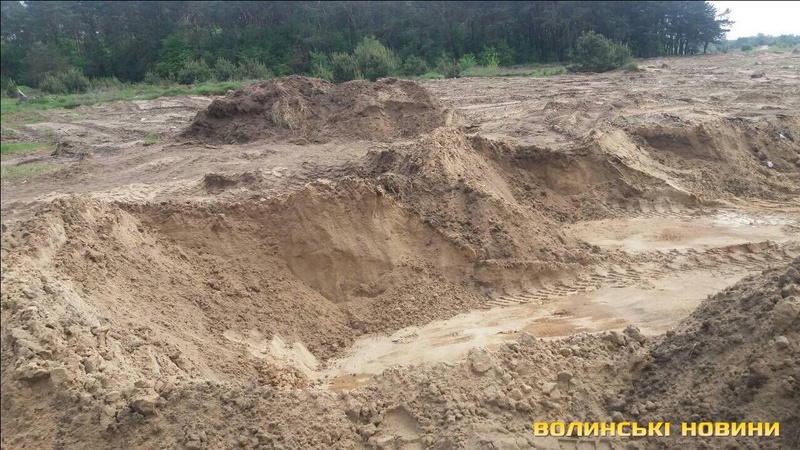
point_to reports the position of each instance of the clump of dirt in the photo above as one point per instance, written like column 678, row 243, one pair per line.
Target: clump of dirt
column 736, row 358
column 303, row 110
column 220, row 182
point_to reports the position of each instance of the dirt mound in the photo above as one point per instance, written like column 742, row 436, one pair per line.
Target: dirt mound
column 300, row 109
column 734, row 359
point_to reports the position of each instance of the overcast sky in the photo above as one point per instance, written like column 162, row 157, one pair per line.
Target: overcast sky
column 751, row 18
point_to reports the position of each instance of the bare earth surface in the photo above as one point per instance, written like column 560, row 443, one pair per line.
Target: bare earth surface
column 400, row 265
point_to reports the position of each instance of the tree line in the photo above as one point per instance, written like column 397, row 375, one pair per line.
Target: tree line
column 135, row 41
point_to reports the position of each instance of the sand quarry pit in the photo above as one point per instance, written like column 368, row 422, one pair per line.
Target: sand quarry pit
column 402, row 265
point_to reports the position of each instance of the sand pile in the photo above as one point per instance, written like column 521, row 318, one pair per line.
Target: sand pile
column 736, row 358
column 746, row 158
column 310, row 110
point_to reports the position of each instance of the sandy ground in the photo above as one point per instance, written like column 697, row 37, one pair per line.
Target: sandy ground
column 568, row 208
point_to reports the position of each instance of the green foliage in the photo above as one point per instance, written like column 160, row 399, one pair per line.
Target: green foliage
column 106, row 84
column 467, row 62
column 253, row 69
column 448, row 67
column 430, row 76
column 194, row 71
column 129, row 39
column 374, row 60
column 596, row 53
column 15, row 172
column 631, row 67
column 523, row 71
column 344, row 67
column 71, row 81
column 151, row 139
column 10, row 88
column 489, row 57
column 785, row 40
column 320, row 66
column 414, row 66
column 41, row 61
column 224, row 70
column 153, row 78
column 746, row 48
column 173, row 56
column 7, row 148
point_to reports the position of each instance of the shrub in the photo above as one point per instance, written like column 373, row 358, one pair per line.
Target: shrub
column 344, row 67
column 152, row 77
column 414, row 66
column 253, row 69
column 467, row 62
column 448, row 67
column 320, row 66
column 374, row 60
column 489, row 57
column 72, row 81
column 224, row 70
column 10, row 88
column 106, row 84
column 194, row 71
column 596, row 53
column 746, row 48
column 631, row 67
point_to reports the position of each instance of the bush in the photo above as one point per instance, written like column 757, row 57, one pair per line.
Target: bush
column 320, row 66
column 467, row 62
column 152, row 77
column 631, row 67
column 414, row 66
column 194, row 71
column 253, row 69
column 746, row 48
column 72, row 81
column 374, row 60
column 107, row 84
column 448, row 67
column 596, row 53
column 489, row 57
column 10, row 88
column 224, row 70
column 344, row 67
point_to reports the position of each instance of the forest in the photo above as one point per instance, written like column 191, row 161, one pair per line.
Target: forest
column 192, row 41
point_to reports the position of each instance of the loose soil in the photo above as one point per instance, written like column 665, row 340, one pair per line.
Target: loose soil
column 412, row 265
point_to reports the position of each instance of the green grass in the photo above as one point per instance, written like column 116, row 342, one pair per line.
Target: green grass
column 430, row 76
column 39, row 101
column 630, row 67
column 151, row 139
column 9, row 172
column 525, row 71
column 7, row 148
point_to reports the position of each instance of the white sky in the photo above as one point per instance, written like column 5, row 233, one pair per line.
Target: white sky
column 751, row 18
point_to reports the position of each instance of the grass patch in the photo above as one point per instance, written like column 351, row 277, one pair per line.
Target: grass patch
column 39, row 101
column 7, row 148
column 631, row 67
column 151, row 139
column 429, row 76
column 524, row 71
column 9, row 172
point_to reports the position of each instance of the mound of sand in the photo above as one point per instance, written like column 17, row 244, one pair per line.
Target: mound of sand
column 301, row 109
column 736, row 358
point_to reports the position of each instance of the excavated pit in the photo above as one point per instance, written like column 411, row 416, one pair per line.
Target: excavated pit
column 420, row 288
